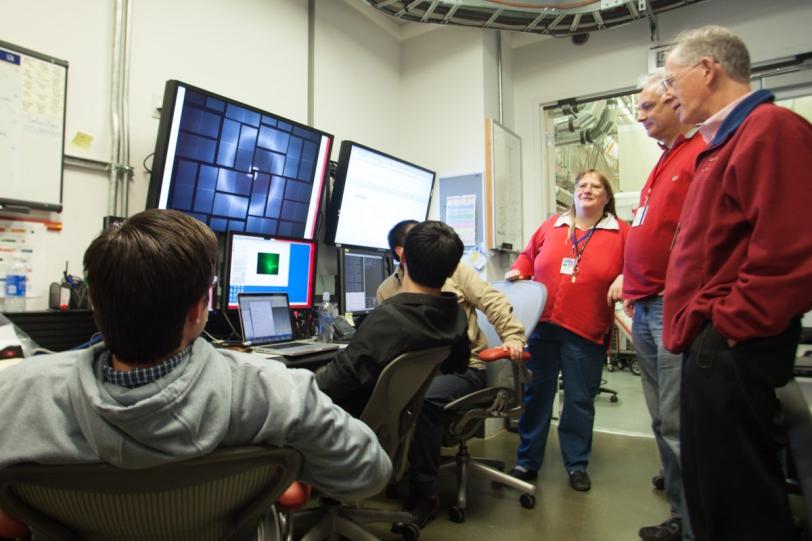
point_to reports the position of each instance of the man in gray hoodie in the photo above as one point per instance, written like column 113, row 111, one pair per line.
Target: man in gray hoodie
column 154, row 392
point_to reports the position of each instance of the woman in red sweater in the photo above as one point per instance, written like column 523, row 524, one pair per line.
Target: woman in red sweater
column 578, row 256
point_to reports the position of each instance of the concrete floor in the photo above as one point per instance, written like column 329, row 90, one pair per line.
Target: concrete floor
column 624, row 459
column 620, row 502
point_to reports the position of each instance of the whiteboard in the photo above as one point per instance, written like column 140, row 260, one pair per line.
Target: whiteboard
column 32, row 128
column 504, row 178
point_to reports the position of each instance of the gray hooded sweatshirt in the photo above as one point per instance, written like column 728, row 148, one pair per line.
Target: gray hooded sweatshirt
column 57, row 409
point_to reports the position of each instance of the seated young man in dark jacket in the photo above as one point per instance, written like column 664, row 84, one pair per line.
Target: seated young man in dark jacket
column 420, row 317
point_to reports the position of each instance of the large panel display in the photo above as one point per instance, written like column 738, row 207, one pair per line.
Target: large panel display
column 236, row 167
column 373, row 191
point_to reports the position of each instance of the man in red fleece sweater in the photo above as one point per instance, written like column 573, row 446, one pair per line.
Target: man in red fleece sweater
column 644, row 264
column 738, row 281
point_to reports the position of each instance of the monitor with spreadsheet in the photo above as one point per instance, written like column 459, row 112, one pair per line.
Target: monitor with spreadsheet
column 372, row 192
column 261, row 264
column 361, row 272
column 236, row 167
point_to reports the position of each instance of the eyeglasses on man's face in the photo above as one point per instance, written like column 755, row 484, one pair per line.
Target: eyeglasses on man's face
column 668, row 82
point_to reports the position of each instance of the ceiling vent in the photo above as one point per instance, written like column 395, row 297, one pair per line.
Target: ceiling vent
column 554, row 18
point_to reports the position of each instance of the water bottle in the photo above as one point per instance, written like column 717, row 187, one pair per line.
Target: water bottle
column 15, row 287
column 327, row 313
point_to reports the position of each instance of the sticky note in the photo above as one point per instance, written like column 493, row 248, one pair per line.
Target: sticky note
column 82, row 140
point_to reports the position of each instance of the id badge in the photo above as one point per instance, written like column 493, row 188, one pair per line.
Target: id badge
column 568, row 265
column 640, row 215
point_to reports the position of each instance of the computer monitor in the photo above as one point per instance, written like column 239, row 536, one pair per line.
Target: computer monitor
column 361, row 272
column 236, row 167
column 372, row 192
column 260, row 264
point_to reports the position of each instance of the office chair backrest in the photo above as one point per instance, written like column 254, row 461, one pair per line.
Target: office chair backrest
column 395, row 403
column 221, row 496
column 798, row 424
column 527, row 298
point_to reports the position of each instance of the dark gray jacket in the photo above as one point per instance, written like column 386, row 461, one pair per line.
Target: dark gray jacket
column 56, row 409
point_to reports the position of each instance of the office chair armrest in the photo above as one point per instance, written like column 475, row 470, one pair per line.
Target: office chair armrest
column 494, row 354
column 11, row 528
column 296, row 496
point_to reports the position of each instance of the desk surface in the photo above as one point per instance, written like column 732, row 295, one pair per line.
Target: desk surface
column 310, row 362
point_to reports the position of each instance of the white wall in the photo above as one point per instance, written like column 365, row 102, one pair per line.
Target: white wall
column 442, row 100
column 80, row 33
column 253, row 51
column 356, row 77
column 553, row 69
column 250, row 50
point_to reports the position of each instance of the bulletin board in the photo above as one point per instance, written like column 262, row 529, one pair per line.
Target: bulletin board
column 461, row 206
column 503, row 187
column 33, row 88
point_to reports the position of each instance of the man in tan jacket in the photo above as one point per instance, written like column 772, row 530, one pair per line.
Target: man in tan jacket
column 472, row 293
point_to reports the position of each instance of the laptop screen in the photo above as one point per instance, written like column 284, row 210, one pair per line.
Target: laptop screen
column 265, row 318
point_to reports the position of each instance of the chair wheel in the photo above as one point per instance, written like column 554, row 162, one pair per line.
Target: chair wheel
column 528, row 501
column 658, row 482
column 635, row 367
column 455, row 514
column 410, row 532
column 613, row 398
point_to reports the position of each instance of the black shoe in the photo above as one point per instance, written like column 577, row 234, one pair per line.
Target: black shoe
column 422, row 508
column 670, row 530
column 524, row 475
column 579, row 481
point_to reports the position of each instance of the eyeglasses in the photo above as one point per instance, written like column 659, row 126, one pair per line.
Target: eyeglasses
column 588, row 187
column 668, row 82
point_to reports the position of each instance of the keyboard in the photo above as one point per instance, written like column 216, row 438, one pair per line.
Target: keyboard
column 276, row 347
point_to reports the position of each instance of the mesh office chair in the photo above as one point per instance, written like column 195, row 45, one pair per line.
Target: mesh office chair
column 227, row 495
column 392, row 413
column 502, row 398
column 797, row 421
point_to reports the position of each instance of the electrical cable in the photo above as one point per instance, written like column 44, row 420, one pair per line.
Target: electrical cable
column 95, row 338
column 213, row 339
column 144, row 163
column 228, row 320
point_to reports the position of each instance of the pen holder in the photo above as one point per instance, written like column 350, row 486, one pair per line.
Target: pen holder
column 78, row 296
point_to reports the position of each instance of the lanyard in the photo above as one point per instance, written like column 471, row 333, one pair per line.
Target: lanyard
column 578, row 249
column 585, row 238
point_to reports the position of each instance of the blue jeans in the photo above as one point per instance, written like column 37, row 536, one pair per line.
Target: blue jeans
column 660, row 373
column 424, row 452
column 554, row 349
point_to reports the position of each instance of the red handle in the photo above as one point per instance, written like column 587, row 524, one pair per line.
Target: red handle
column 494, row 354
column 295, row 496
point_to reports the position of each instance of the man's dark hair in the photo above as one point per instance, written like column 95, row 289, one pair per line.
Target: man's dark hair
column 432, row 251
column 397, row 234
column 143, row 276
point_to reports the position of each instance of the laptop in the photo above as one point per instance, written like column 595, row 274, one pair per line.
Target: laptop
column 267, row 326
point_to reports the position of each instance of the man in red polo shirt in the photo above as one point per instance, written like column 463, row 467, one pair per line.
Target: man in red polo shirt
column 645, row 262
column 739, row 278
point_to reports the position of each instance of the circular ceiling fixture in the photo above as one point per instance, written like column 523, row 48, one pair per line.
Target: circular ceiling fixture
column 554, row 18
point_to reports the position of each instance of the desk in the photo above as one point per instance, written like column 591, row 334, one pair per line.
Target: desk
column 309, row 362
column 56, row 330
